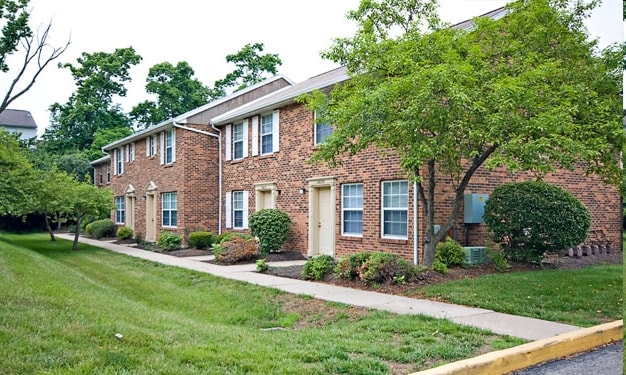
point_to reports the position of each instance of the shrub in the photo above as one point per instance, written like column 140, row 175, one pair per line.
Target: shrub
column 124, row 233
column 440, row 267
column 261, row 266
column 101, row 228
column 271, row 227
column 348, row 268
column 450, row 253
column 531, row 218
column 170, row 241
column 498, row 259
column 235, row 249
column 201, row 240
column 318, row 267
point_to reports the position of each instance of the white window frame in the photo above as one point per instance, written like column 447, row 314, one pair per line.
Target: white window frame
column 169, row 144
column 273, row 135
column 397, row 202
column 316, row 131
column 151, row 145
column 351, row 202
column 237, row 139
column 108, row 165
column 120, row 210
column 131, row 152
column 119, row 161
column 267, row 121
column 172, row 206
column 231, row 208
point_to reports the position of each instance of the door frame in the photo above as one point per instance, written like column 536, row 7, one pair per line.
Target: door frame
column 315, row 184
column 151, row 212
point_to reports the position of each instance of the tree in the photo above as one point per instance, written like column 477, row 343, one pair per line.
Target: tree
column 37, row 53
column 176, row 90
column 103, row 137
column 87, row 200
column 527, row 92
column 17, row 180
column 251, row 67
column 99, row 77
column 53, row 197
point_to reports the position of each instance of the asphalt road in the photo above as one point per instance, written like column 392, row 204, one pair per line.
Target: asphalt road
column 607, row 360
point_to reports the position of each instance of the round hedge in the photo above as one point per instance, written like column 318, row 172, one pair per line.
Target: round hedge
column 531, row 218
column 271, row 227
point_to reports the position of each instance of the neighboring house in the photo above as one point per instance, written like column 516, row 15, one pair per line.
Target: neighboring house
column 366, row 204
column 167, row 177
column 18, row 121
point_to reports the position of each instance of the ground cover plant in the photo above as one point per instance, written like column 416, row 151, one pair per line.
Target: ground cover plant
column 95, row 311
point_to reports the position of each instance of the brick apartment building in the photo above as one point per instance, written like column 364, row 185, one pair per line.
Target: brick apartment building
column 167, row 177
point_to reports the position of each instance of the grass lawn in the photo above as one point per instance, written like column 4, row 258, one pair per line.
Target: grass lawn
column 582, row 297
column 61, row 311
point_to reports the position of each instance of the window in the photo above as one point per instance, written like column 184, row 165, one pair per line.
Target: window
column 169, row 146
column 151, row 143
column 322, row 131
column 131, row 152
column 120, row 210
column 119, row 161
column 395, row 196
column 169, row 205
column 108, row 173
column 267, row 134
column 352, row 210
column 238, row 141
column 100, row 175
column 238, row 209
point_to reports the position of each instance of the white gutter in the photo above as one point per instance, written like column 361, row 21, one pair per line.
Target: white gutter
column 219, row 153
column 415, row 235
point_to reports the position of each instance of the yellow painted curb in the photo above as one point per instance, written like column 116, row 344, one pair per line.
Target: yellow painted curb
column 522, row 356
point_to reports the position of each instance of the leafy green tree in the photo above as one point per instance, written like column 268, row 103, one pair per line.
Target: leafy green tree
column 17, row 178
column 34, row 51
column 84, row 199
column 53, row 197
column 527, row 92
column 101, row 138
column 176, row 90
column 251, row 66
column 99, row 77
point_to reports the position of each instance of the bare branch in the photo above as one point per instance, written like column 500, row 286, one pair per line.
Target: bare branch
column 35, row 48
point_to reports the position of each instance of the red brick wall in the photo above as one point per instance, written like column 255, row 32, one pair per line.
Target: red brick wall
column 193, row 176
column 289, row 169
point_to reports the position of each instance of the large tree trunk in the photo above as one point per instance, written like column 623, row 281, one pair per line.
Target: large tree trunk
column 76, row 233
column 49, row 228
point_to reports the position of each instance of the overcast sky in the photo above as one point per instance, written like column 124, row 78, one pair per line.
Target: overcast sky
column 204, row 32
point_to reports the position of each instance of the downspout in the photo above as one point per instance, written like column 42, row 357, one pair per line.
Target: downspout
column 415, row 234
column 219, row 162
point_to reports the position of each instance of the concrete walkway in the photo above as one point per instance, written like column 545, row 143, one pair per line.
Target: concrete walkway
column 503, row 324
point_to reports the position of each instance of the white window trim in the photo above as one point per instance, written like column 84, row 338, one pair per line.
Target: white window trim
column 344, row 209
column 242, row 140
column 382, row 212
column 255, row 135
column 121, row 199
column 275, row 134
column 230, row 209
column 229, row 137
column 173, row 146
column 315, row 125
column 131, row 152
column 119, row 161
column 162, row 210
column 227, row 207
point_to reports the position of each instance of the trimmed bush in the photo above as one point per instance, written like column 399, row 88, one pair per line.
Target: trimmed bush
column 235, row 249
column 101, row 228
column 531, row 218
column 318, row 267
column 376, row 267
column 271, row 227
column 201, row 240
column 124, row 233
column 170, row 241
column 450, row 253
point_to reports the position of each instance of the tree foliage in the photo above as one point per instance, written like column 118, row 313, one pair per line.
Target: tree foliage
column 33, row 48
column 176, row 90
column 531, row 218
column 527, row 92
column 17, row 180
column 99, row 77
column 250, row 68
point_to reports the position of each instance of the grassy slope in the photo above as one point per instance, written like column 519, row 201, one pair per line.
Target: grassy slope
column 61, row 311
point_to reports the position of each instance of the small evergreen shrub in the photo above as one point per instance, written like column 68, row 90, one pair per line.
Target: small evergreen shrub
column 318, row 267
column 531, row 218
column 124, row 233
column 440, row 267
column 102, row 228
column 170, row 241
column 271, row 227
column 201, row 239
column 450, row 253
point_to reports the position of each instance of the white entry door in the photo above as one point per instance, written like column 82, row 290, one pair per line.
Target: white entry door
column 325, row 222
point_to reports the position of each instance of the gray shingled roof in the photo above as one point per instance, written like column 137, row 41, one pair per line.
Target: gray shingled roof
column 17, row 118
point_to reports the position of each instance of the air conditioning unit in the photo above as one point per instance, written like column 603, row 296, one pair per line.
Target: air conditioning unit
column 475, row 254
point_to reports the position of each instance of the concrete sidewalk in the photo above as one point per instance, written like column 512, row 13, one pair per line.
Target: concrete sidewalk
column 504, row 324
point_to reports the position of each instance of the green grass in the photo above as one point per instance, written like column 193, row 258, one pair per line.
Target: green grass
column 583, row 297
column 60, row 312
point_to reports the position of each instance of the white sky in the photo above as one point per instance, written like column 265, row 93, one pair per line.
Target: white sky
column 204, row 32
